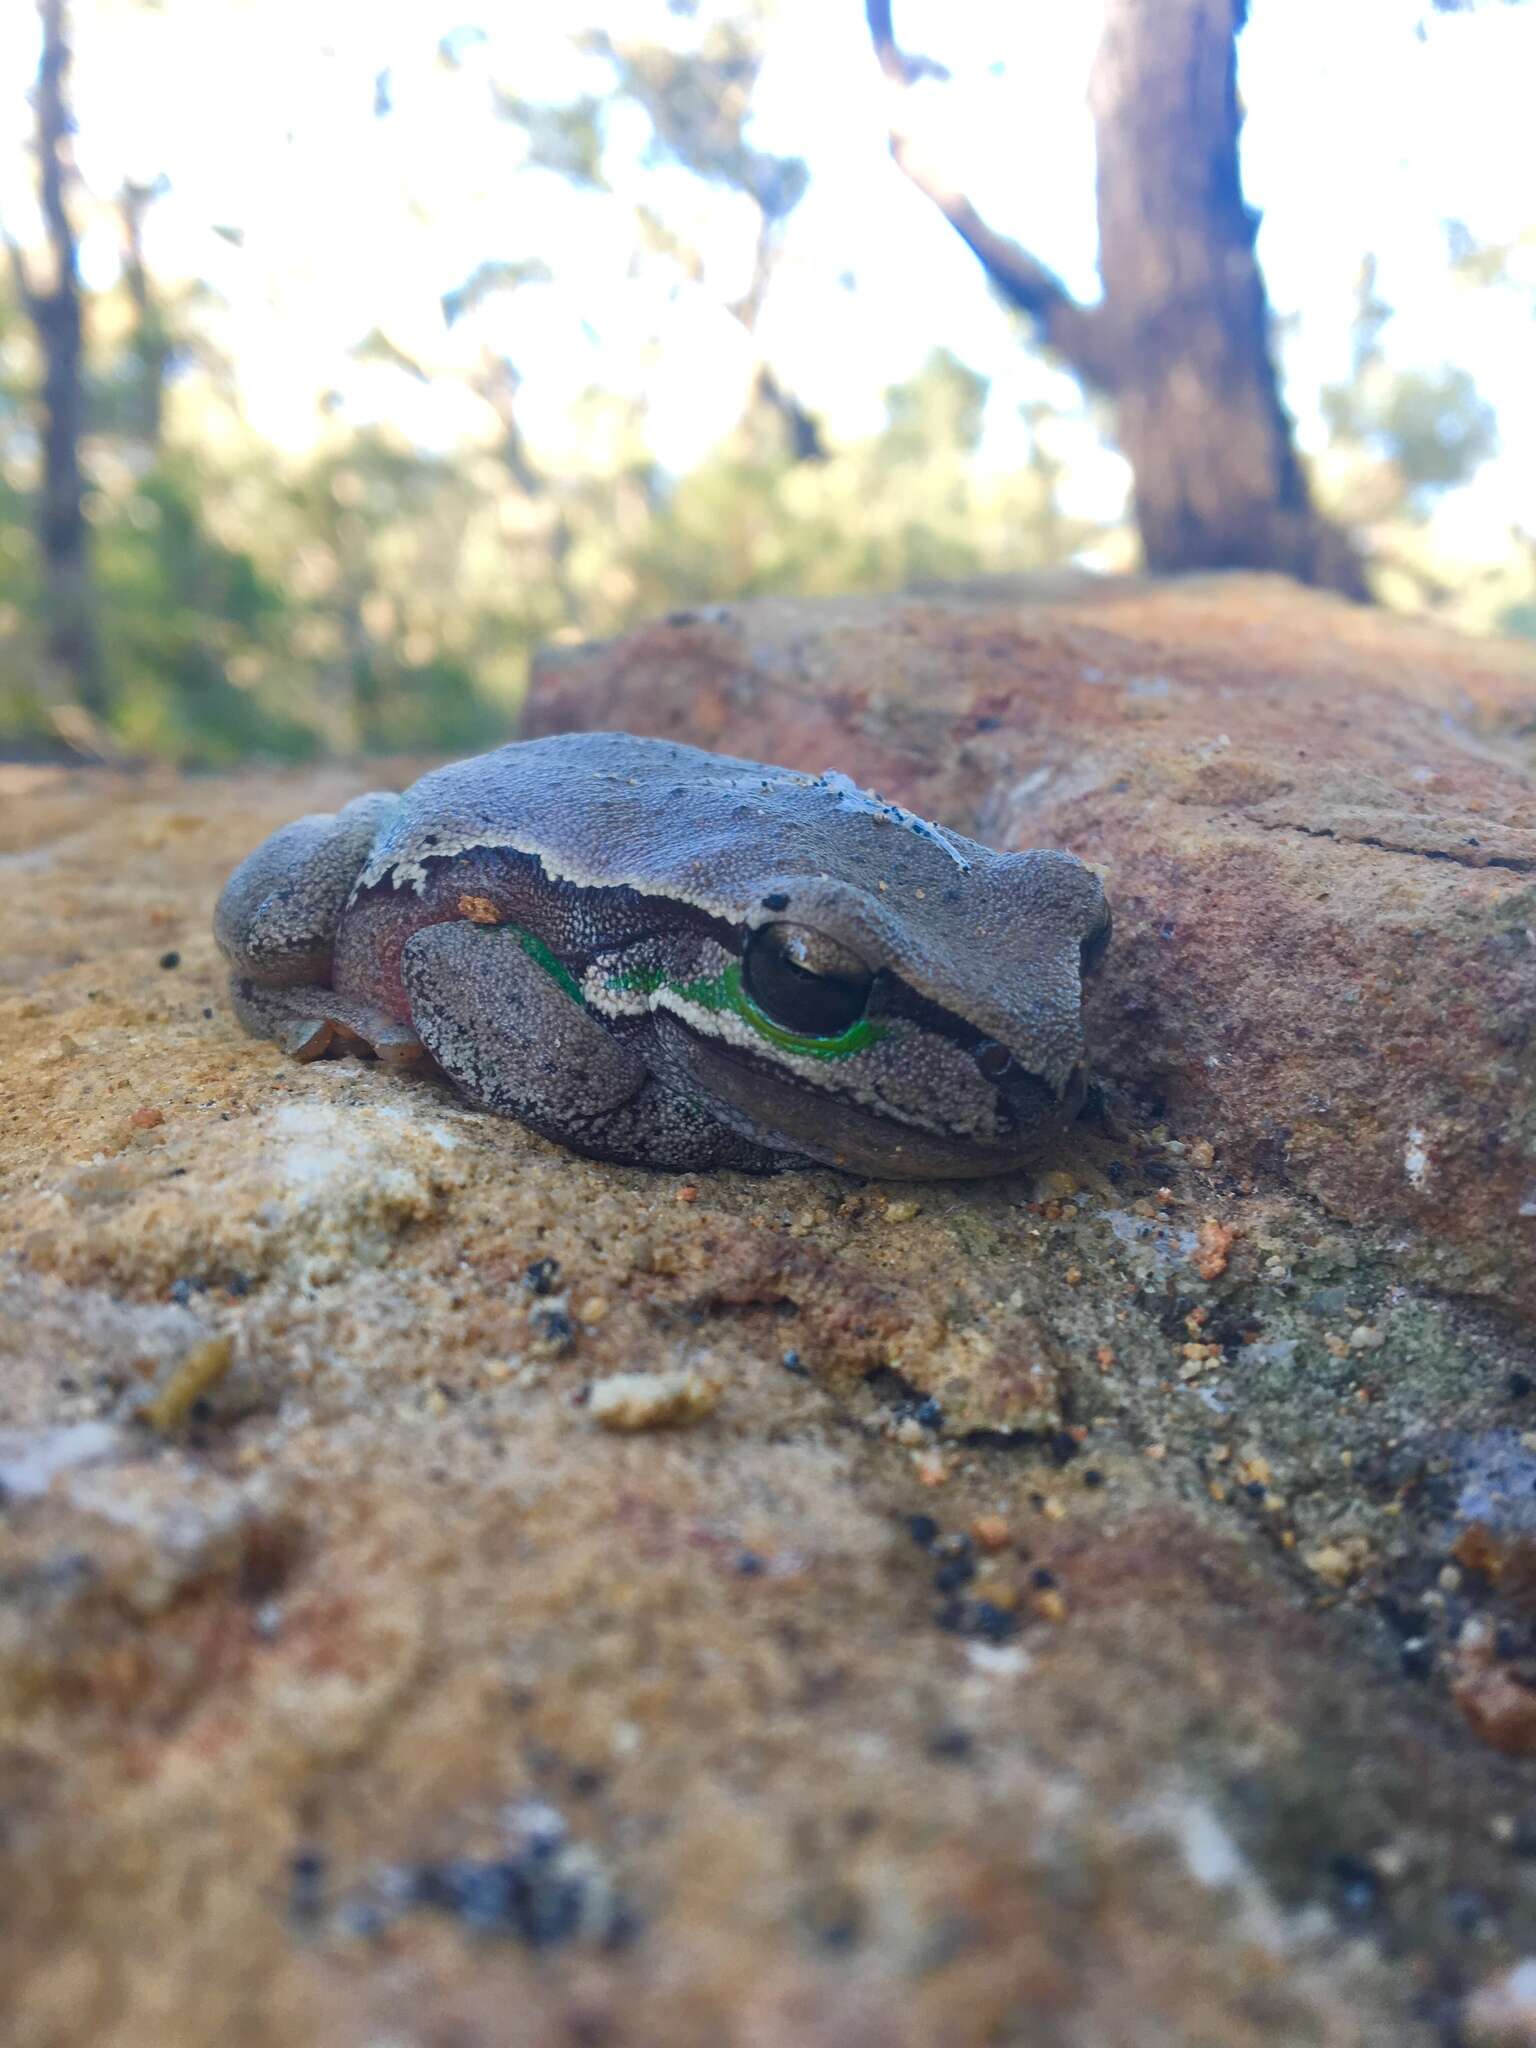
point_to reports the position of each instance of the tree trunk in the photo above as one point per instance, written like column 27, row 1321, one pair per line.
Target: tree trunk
column 63, row 535
column 1180, row 343
column 1185, row 321
column 151, row 341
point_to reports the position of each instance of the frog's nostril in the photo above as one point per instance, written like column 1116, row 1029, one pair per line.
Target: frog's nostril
column 994, row 1060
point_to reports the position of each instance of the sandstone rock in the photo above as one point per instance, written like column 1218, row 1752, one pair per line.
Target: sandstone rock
column 970, row 1676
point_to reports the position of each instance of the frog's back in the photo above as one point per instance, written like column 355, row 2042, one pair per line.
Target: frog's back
column 609, row 809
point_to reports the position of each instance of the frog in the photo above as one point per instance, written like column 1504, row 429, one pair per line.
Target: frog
column 664, row 957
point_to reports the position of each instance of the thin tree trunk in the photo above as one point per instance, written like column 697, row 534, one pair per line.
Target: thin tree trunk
column 151, row 342
column 63, row 534
column 1180, row 343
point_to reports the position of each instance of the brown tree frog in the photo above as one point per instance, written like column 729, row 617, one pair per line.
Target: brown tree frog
column 675, row 959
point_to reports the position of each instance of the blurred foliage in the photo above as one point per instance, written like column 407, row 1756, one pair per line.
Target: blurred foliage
column 1402, row 440
column 375, row 594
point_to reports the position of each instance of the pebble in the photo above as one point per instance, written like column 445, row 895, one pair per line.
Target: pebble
column 630, row 1401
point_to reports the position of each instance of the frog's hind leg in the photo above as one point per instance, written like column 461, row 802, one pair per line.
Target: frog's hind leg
column 509, row 1028
column 276, row 925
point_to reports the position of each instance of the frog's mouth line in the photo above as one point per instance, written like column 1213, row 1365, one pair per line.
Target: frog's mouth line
column 713, row 1054
column 857, row 1135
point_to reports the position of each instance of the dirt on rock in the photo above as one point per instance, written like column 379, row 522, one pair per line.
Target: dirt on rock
column 1089, row 1608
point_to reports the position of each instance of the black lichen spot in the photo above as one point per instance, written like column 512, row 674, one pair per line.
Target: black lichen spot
column 950, row 1577
column 1518, row 1385
column 981, row 1618
column 1357, row 1887
column 512, row 1896
column 170, row 960
column 750, row 1565
column 951, row 1745
column 929, row 1414
column 552, row 1328
column 542, row 1277
column 791, row 1362
column 1400, row 1618
column 1416, row 1659
column 1064, row 1447
column 1466, row 1909
column 542, row 1891
column 993, row 1623
column 923, row 1530
column 306, row 1886
column 834, row 1918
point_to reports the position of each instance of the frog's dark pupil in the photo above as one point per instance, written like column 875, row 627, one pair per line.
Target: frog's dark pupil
column 777, row 901
column 804, row 983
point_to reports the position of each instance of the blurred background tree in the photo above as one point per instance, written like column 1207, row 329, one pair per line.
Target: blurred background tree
column 415, row 339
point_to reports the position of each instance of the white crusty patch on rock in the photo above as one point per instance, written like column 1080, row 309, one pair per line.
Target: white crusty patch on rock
column 323, row 1143
column 31, row 1459
column 631, row 1401
column 1416, row 1158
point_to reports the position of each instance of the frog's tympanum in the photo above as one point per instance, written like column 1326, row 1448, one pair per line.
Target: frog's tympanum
column 674, row 959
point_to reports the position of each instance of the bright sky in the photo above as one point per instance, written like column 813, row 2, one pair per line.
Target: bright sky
column 1362, row 135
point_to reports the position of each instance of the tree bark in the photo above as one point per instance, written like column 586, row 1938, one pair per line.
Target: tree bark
column 1180, row 343
column 1197, row 401
column 63, row 535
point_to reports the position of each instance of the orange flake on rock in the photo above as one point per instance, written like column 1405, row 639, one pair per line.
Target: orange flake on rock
column 1213, row 1246
column 479, row 910
column 1497, row 1702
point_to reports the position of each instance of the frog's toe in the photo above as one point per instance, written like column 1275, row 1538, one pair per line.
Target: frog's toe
column 309, row 1038
column 313, row 1023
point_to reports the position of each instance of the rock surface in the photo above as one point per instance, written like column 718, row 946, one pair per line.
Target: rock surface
column 1090, row 1608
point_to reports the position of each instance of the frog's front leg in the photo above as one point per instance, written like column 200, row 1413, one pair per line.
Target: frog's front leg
column 508, row 1027
column 276, row 924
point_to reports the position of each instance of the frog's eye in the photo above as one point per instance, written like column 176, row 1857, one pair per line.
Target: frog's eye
column 1095, row 943
column 804, row 981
